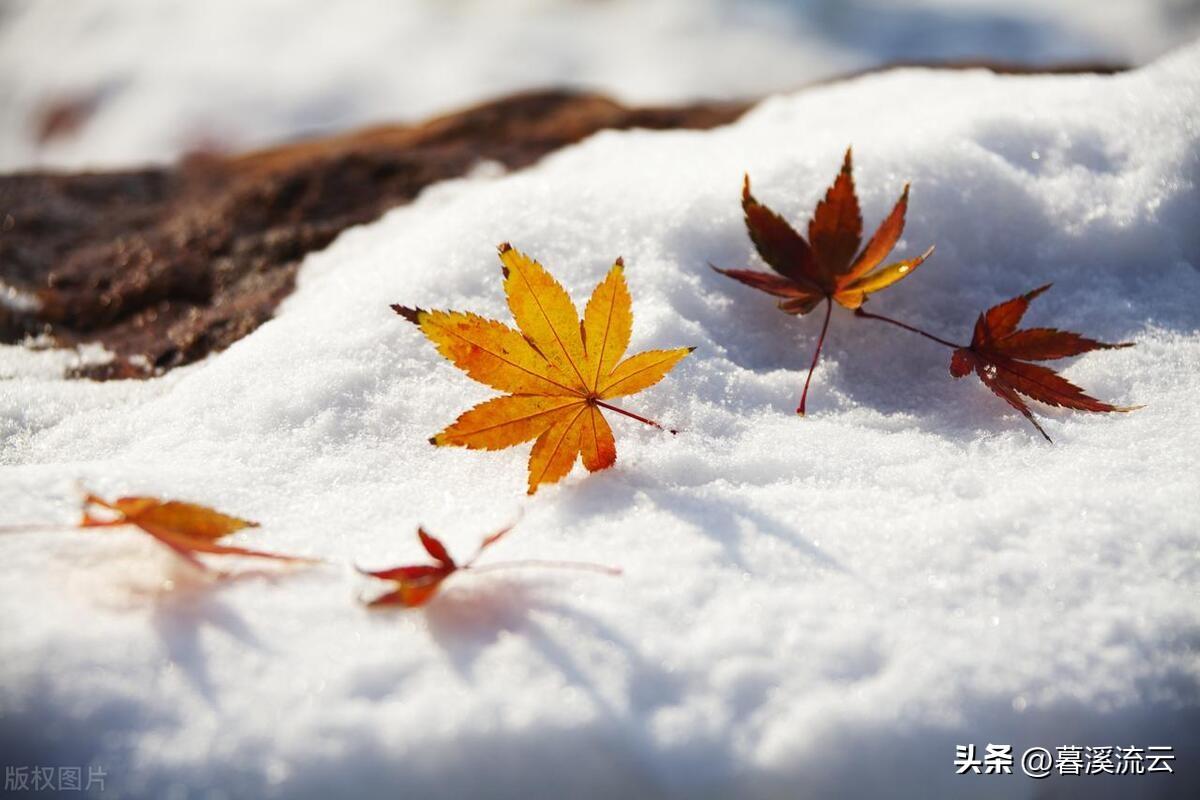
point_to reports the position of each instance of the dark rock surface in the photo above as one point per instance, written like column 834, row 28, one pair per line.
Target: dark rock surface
column 163, row 266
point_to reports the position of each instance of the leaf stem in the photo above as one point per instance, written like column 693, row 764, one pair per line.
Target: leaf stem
column 816, row 357
column 586, row 566
column 632, row 415
column 858, row 312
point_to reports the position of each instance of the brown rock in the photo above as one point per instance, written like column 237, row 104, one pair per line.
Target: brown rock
column 163, row 266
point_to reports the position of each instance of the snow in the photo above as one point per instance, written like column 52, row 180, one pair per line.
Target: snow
column 163, row 77
column 817, row 607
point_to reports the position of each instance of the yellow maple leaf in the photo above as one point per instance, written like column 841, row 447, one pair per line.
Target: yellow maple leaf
column 557, row 370
column 186, row 528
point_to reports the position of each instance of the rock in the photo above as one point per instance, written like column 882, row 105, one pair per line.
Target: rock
column 164, row 266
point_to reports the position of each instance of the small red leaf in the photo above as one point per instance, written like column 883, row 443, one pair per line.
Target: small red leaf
column 417, row 572
column 416, row 585
column 409, row 595
column 435, row 548
column 491, row 540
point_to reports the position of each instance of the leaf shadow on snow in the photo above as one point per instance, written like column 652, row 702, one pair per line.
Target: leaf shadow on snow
column 181, row 616
column 468, row 620
column 1178, row 215
column 721, row 517
column 465, row 622
column 1037, row 148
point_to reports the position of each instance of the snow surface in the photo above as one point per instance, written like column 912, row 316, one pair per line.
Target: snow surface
column 815, row 607
column 168, row 76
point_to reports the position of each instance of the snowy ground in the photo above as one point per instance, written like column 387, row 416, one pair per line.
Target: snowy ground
column 165, row 76
column 817, row 607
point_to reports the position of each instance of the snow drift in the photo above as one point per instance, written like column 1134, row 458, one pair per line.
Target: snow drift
column 815, row 607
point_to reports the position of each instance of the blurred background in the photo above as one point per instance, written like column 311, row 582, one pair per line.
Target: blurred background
column 117, row 82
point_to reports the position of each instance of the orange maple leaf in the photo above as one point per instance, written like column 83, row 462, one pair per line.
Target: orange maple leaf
column 999, row 354
column 823, row 267
column 415, row 585
column 186, row 528
column 557, row 370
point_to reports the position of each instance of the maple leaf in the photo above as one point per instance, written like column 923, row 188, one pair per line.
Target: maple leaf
column 417, row 584
column 824, row 267
column 557, row 370
column 186, row 528
column 1000, row 355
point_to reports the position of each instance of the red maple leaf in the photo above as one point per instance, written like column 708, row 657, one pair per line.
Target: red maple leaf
column 1000, row 355
column 416, row 584
column 824, row 267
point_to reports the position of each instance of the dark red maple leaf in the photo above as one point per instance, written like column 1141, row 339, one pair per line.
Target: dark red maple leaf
column 824, row 267
column 1000, row 355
